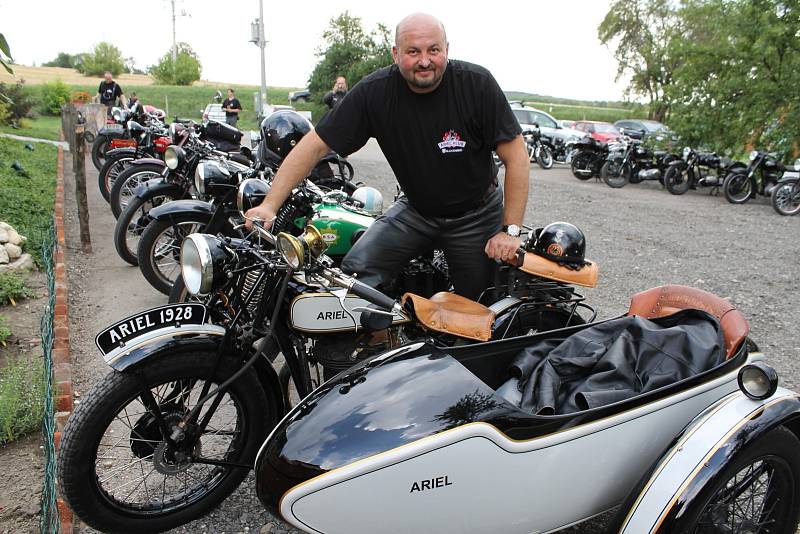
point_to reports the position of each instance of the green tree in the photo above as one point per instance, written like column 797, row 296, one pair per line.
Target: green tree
column 54, row 95
column 65, row 60
column 184, row 71
column 5, row 55
column 643, row 34
column 103, row 57
column 349, row 51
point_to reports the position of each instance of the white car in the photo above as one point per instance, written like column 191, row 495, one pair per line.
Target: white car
column 213, row 112
column 528, row 117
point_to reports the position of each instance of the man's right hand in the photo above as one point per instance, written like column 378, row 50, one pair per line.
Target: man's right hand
column 264, row 212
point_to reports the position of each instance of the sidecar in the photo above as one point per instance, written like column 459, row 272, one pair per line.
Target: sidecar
column 421, row 439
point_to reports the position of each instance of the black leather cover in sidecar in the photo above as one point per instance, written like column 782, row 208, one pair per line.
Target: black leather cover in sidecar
column 615, row 360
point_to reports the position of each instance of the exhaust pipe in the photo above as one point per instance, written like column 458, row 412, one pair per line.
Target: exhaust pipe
column 649, row 174
column 583, row 172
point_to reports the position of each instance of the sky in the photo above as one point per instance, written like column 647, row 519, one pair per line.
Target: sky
column 536, row 46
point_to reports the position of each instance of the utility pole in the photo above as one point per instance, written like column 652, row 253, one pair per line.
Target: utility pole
column 174, row 47
column 257, row 37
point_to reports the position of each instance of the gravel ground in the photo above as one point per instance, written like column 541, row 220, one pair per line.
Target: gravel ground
column 641, row 236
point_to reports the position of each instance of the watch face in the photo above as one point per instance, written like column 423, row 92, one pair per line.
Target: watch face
column 513, row 230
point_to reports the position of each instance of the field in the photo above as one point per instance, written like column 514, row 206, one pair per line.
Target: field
column 591, row 113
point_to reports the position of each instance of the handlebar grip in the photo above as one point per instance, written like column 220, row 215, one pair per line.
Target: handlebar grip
column 373, row 295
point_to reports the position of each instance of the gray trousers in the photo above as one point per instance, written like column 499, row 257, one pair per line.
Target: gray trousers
column 232, row 120
column 402, row 233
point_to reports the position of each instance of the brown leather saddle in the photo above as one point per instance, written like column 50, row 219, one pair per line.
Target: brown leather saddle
column 452, row 314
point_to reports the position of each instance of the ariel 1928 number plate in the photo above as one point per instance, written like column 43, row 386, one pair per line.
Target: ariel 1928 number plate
column 121, row 333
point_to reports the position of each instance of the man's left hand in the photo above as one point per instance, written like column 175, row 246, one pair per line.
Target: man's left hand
column 502, row 247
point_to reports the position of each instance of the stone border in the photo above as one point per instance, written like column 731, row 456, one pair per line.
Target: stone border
column 62, row 369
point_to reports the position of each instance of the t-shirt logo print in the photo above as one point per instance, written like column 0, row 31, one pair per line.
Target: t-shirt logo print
column 451, row 142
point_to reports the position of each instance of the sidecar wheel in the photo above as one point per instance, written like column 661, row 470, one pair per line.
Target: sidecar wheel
column 117, row 471
column 759, row 491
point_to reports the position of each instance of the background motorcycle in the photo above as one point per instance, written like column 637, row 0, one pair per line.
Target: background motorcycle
column 194, row 407
column 786, row 195
column 538, row 150
column 589, row 157
column 698, row 169
column 759, row 178
column 116, row 128
column 633, row 162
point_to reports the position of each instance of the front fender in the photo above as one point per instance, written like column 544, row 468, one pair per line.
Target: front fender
column 698, row 457
column 197, row 208
column 111, row 133
column 121, row 151
column 157, row 187
column 206, row 337
column 149, row 161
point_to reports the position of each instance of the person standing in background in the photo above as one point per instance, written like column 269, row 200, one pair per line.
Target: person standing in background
column 336, row 95
column 232, row 108
column 109, row 91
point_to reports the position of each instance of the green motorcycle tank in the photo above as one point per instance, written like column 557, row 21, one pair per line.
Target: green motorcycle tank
column 339, row 225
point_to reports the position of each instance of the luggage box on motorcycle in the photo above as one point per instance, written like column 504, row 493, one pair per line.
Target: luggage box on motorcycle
column 220, row 131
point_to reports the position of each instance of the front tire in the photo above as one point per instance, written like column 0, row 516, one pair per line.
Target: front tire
column 131, row 225
column 126, row 183
column 581, row 165
column 160, row 248
column 614, row 174
column 111, row 169
column 677, row 179
column 118, row 474
column 759, row 490
column 99, row 147
column 738, row 188
column 545, row 157
column 786, row 198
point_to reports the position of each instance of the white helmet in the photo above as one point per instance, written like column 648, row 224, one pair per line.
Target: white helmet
column 371, row 198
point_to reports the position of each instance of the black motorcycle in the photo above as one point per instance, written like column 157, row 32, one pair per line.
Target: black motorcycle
column 633, row 162
column 195, row 387
column 786, row 196
column 698, row 169
column 117, row 128
column 538, row 149
column 759, row 178
column 589, row 156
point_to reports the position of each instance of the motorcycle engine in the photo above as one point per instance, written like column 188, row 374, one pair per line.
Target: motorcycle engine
column 424, row 276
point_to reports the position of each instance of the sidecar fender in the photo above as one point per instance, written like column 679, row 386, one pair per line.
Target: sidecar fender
column 699, row 455
column 156, row 187
column 165, row 212
column 206, row 337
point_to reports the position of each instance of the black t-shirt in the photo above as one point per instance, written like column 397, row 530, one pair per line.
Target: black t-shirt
column 109, row 92
column 231, row 103
column 438, row 144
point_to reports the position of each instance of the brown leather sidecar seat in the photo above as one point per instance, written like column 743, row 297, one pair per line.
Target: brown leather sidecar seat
column 666, row 300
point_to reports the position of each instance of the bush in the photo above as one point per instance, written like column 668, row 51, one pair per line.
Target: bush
column 64, row 60
column 21, row 398
column 54, row 95
column 18, row 99
column 5, row 331
column 187, row 67
column 5, row 112
column 103, row 57
column 13, row 288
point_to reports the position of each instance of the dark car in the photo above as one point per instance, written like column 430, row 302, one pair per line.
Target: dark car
column 641, row 128
column 302, row 95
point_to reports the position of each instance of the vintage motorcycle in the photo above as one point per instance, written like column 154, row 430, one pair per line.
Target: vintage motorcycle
column 175, row 427
column 698, row 169
column 538, row 150
column 441, row 439
column 759, row 178
column 786, row 195
column 632, row 162
column 589, row 157
column 117, row 128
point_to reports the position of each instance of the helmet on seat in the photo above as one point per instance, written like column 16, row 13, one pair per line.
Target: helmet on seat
column 370, row 198
column 561, row 242
column 282, row 130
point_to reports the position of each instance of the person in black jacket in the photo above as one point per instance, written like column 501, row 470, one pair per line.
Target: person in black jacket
column 109, row 91
column 336, row 95
column 437, row 122
column 232, row 108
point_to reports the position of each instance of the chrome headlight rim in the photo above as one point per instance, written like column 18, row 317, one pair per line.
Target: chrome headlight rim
column 199, row 178
column 758, row 381
column 291, row 250
column 173, row 156
column 753, row 155
column 244, row 185
column 198, row 252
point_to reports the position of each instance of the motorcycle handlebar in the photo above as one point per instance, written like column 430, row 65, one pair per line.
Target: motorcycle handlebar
column 373, row 295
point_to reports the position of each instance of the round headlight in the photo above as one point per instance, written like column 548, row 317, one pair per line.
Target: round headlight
column 199, row 178
column 753, row 155
column 797, row 164
column 202, row 259
column 758, row 380
column 686, row 151
column 116, row 114
column 173, row 156
column 251, row 193
column 291, row 250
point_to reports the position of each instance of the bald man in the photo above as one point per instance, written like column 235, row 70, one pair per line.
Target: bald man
column 437, row 122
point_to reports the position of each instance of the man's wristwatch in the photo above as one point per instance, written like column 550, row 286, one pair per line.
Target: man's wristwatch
column 512, row 229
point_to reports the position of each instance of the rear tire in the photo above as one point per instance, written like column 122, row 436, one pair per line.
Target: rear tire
column 127, row 182
column 90, row 472
column 738, row 188
column 99, row 147
column 786, row 198
column 160, row 248
column 582, row 161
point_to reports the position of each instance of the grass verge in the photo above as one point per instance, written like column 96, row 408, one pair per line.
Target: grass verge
column 21, row 397
column 26, row 202
column 42, row 127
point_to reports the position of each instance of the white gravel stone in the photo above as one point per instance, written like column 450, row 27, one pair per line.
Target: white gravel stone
column 14, row 251
column 4, row 259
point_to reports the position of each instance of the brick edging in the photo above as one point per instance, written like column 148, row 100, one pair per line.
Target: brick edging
column 62, row 369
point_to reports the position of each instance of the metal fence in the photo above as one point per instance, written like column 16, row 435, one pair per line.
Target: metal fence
column 49, row 520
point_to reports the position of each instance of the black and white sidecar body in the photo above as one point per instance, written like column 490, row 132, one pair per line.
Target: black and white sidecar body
column 422, row 440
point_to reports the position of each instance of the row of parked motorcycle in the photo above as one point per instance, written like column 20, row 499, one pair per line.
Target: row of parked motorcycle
column 401, row 393
column 628, row 160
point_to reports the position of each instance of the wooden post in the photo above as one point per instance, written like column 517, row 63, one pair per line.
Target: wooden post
column 80, row 187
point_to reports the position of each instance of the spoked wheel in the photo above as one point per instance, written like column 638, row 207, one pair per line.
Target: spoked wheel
column 614, row 174
column 581, row 165
column 738, row 188
column 99, row 147
column 120, row 473
column 786, row 198
column 179, row 293
column 126, row 183
column 159, row 250
column 677, row 179
column 111, row 169
column 545, row 157
column 759, row 492
column 131, row 225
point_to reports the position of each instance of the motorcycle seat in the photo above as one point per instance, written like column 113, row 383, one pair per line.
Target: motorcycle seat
column 452, row 314
column 545, row 268
column 666, row 300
